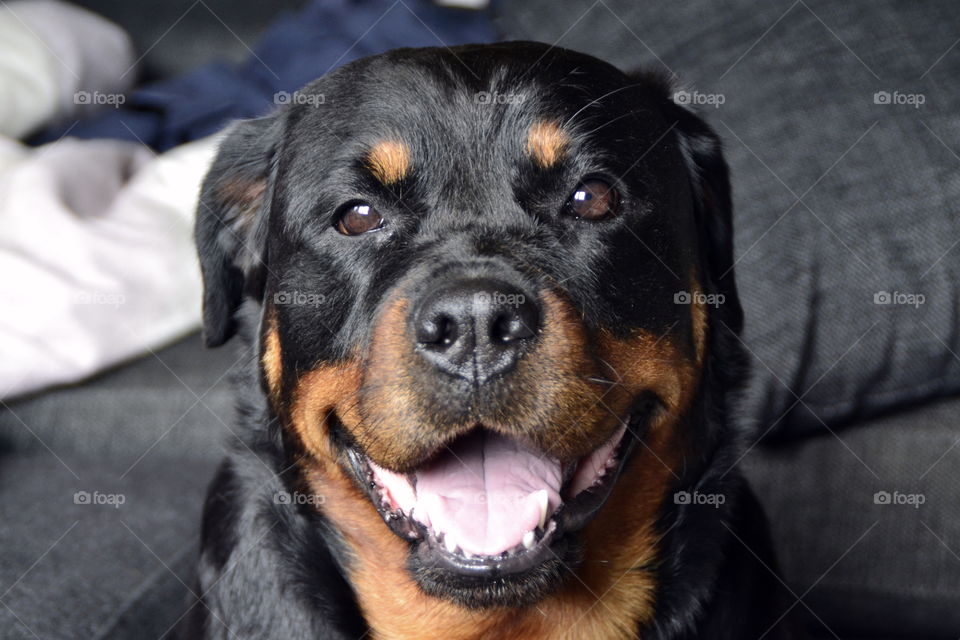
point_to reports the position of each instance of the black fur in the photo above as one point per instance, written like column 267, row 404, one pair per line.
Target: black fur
column 275, row 570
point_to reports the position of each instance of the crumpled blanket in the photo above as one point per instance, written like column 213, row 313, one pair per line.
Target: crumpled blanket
column 96, row 248
column 58, row 61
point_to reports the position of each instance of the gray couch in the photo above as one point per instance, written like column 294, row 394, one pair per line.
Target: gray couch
column 841, row 194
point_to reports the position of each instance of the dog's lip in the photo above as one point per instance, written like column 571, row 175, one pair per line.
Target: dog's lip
column 571, row 515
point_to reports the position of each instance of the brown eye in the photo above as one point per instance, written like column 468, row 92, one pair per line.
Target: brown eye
column 359, row 218
column 593, row 200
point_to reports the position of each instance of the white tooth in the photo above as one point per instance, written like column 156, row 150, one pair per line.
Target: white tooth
column 543, row 501
column 467, row 554
column 528, row 539
column 450, row 543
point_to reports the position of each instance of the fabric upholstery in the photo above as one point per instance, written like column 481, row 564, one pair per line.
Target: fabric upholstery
column 71, row 569
column 867, row 522
column 176, row 402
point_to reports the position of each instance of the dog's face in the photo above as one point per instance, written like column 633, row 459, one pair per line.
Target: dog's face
column 481, row 276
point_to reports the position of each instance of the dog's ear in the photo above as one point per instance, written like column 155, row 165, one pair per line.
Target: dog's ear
column 710, row 184
column 231, row 224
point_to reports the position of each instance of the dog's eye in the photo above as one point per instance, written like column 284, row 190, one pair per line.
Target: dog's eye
column 593, row 200
column 359, row 218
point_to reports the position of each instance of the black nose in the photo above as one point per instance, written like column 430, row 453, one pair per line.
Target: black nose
column 476, row 328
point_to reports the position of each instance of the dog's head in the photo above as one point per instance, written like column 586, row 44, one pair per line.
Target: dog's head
column 489, row 281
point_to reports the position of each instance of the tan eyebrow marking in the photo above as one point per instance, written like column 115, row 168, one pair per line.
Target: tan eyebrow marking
column 546, row 143
column 389, row 161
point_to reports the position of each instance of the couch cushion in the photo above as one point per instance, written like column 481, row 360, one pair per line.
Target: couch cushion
column 868, row 522
column 174, row 401
column 793, row 87
column 112, row 561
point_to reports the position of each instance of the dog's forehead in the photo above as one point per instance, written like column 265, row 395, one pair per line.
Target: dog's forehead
column 482, row 105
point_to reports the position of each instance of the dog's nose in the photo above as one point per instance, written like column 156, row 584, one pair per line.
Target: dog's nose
column 475, row 328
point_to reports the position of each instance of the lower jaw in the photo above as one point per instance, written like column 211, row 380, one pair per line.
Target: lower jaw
column 476, row 587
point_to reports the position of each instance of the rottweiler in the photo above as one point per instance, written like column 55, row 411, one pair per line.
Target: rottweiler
column 486, row 296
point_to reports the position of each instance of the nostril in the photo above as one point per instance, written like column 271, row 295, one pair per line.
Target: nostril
column 447, row 330
column 439, row 330
column 509, row 327
column 500, row 329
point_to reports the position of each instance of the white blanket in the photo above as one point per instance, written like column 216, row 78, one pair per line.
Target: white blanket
column 58, row 61
column 97, row 256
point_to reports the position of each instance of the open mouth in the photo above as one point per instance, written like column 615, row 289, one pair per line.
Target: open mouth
column 489, row 506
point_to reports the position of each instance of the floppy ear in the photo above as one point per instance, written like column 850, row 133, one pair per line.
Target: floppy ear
column 231, row 224
column 710, row 183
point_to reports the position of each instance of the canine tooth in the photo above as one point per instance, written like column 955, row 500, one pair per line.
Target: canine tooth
column 543, row 501
column 529, row 539
column 450, row 543
column 466, row 554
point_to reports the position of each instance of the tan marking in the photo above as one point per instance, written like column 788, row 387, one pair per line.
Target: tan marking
column 271, row 361
column 389, row 161
column 648, row 362
column 318, row 394
column 547, row 143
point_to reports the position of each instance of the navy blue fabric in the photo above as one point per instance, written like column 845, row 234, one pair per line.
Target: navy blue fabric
column 297, row 48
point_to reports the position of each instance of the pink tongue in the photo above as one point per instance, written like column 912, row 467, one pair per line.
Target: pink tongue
column 486, row 492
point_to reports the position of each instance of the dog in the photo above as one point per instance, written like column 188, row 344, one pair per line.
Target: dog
column 486, row 298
